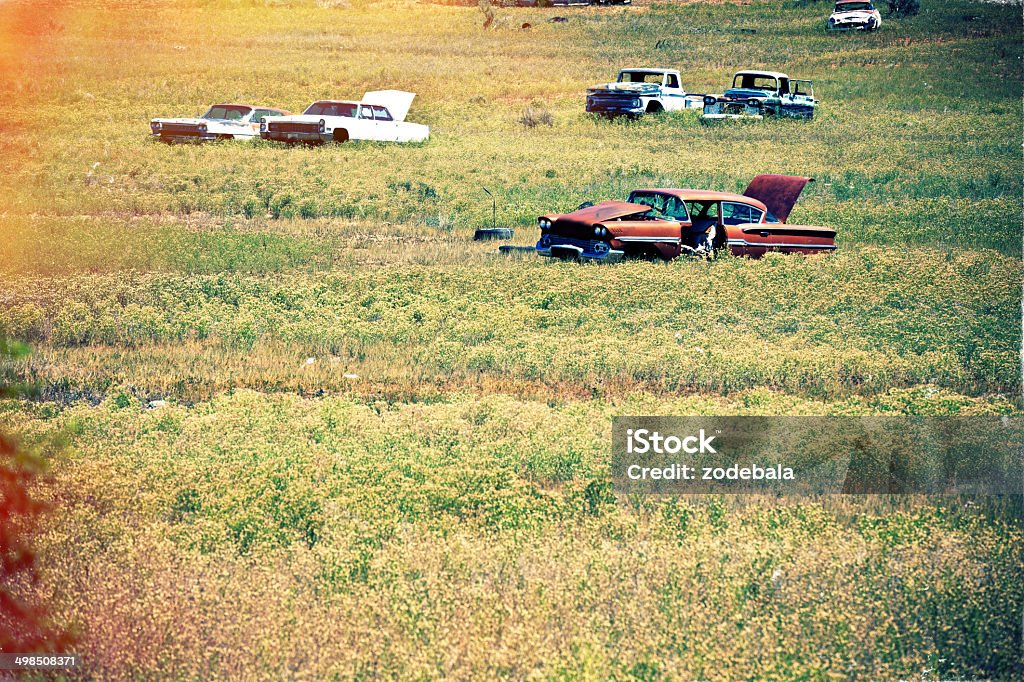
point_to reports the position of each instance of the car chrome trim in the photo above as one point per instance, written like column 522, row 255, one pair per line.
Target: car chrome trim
column 670, row 240
column 744, row 242
column 551, row 246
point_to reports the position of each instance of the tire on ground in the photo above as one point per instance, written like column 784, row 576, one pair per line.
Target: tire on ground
column 492, row 233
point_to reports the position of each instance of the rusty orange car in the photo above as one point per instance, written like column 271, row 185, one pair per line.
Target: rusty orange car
column 667, row 223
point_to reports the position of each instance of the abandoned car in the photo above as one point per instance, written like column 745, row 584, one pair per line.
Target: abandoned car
column 756, row 94
column 569, row 3
column 666, row 223
column 379, row 116
column 221, row 122
column 850, row 15
column 641, row 91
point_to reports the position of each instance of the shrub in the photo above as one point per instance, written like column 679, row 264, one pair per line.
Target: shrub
column 24, row 625
column 535, row 115
column 904, row 8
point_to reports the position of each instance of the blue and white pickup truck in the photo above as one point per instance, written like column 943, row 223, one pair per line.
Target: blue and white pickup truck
column 641, row 91
column 757, row 94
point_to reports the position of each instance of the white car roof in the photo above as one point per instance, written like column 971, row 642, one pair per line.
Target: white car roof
column 768, row 74
column 397, row 102
column 333, row 101
column 648, row 69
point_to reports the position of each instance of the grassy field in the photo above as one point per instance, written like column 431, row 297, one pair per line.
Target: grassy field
column 384, row 448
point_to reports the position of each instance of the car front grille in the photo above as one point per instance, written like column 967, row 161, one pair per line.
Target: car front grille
column 190, row 129
column 292, row 127
column 612, row 101
column 588, row 245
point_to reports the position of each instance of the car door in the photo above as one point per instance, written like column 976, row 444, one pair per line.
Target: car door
column 785, row 96
column 386, row 125
column 364, row 127
column 672, row 93
column 704, row 228
column 746, row 234
column 803, row 98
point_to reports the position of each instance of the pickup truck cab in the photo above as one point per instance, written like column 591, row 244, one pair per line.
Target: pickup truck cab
column 641, row 91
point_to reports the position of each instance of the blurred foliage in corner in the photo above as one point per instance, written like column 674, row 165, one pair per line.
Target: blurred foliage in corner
column 24, row 626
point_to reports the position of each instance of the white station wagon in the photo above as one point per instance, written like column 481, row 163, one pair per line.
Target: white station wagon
column 221, row 122
column 379, row 116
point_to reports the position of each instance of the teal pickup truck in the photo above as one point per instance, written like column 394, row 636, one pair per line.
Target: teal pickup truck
column 756, row 94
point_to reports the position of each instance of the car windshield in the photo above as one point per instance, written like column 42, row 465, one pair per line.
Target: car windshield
column 853, row 6
column 754, row 82
column 332, row 109
column 227, row 112
column 662, row 205
column 640, row 77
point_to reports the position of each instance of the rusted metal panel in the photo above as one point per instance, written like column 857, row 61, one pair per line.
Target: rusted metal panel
column 606, row 210
column 778, row 192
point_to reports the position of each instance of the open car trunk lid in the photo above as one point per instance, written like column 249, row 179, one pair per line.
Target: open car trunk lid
column 396, row 101
column 778, row 192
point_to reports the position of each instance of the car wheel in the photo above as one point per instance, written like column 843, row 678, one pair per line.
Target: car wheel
column 340, row 135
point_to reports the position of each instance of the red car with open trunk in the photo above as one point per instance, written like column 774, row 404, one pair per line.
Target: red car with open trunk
column 669, row 222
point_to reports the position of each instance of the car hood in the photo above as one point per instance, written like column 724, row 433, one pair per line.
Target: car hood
column 777, row 192
column 853, row 14
column 303, row 118
column 196, row 121
column 630, row 88
column 606, row 210
column 746, row 93
column 396, row 101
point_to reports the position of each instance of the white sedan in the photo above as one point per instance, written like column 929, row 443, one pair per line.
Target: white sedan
column 221, row 122
column 379, row 116
column 854, row 15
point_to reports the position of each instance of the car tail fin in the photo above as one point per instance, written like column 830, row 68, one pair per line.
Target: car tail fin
column 778, row 192
column 396, row 101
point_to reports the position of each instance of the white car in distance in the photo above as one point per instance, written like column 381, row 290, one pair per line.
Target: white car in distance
column 379, row 116
column 221, row 122
column 854, row 15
